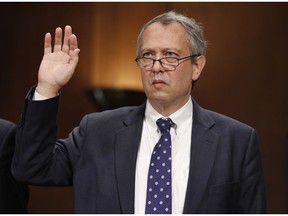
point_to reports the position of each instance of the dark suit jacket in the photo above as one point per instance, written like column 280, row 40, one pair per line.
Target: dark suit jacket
column 99, row 159
column 13, row 195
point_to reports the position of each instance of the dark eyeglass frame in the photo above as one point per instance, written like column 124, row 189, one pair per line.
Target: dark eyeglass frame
column 163, row 64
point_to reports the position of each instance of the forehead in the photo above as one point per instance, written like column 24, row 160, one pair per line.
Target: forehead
column 170, row 36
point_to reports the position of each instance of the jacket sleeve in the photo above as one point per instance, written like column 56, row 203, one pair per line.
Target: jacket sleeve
column 252, row 192
column 40, row 158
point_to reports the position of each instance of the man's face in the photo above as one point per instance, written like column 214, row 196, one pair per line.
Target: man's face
column 167, row 87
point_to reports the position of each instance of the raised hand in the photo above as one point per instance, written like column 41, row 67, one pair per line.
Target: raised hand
column 58, row 64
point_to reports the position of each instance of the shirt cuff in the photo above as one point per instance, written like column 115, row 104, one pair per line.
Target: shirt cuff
column 38, row 97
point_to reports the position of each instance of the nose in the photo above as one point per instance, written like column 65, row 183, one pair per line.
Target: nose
column 157, row 67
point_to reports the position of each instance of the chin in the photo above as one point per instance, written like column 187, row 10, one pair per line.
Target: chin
column 159, row 98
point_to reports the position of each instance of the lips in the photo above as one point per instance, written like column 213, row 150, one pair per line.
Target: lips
column 156, row 82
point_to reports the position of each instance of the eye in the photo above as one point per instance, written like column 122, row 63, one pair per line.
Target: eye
column 147, row 54
column 171, row 54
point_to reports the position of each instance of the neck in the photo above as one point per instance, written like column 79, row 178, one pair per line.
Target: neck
column 167, row 109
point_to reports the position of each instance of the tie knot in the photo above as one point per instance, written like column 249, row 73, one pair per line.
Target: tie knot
column 164, row 124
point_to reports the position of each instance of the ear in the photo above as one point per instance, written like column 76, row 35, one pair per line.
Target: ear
column 198, row 67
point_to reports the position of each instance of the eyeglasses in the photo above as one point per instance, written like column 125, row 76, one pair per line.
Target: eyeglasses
column 168, row 63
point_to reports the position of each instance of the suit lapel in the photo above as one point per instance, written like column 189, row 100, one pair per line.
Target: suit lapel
column 203, row 151
column 126, row 149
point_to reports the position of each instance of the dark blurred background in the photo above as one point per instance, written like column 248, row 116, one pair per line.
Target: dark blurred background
column 245, row 76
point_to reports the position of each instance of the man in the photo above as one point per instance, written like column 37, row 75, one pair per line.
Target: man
column 216, row 165
column 13, row 195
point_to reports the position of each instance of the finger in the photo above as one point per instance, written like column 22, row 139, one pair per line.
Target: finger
column 67, row 34
column 74, row 57
column 58, row 39
column 74, row 50
column 73, row 42
column 47, row 44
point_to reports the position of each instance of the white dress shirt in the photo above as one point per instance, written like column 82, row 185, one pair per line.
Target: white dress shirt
column 181, row 143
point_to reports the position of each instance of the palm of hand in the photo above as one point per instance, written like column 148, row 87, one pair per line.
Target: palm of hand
column 56, row 69
column 58, row 65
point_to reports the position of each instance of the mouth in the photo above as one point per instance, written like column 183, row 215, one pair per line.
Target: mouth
column 158, row 82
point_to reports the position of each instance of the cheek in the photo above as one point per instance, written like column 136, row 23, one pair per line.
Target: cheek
column 183, row 79
column 183, row 85
column 144, row 79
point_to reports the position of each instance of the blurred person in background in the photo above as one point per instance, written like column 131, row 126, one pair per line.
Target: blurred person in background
column 14, row 196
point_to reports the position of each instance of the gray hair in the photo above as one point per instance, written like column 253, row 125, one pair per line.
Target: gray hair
column 195, row 37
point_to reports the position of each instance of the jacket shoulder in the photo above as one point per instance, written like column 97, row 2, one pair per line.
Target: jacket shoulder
column 218, row 121
column 115, row 118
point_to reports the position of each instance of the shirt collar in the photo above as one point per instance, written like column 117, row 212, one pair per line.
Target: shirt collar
column 182, row 114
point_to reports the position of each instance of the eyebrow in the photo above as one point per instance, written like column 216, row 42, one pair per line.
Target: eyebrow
column 178, row 51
